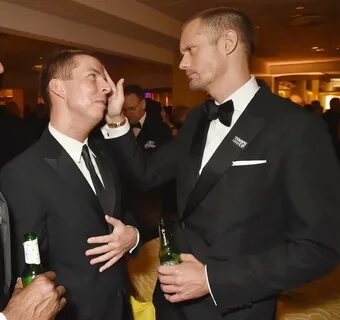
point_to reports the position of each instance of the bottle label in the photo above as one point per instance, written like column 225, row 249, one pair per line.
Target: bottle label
column 31, row 249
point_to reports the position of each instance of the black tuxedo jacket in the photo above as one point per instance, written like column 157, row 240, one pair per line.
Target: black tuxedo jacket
column 260, row 227
column 153, row 130
column 48, row 194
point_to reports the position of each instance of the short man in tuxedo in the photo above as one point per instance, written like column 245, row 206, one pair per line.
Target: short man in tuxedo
column 41, row 299
column 150, row 131
column 257, row 184
column 66, row 189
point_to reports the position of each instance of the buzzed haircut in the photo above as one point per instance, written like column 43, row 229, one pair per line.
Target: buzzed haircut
column 135, row 89
column 59, row 66
column 223, row 18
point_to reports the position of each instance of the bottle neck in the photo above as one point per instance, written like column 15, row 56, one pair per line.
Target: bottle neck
column 164, row 239
column 31, row 249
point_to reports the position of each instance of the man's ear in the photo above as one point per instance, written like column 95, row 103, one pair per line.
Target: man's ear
column 229, row 41
column 143, row 104
column 57, row 87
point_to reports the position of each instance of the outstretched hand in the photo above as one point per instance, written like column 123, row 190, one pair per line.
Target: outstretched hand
column 115, row 244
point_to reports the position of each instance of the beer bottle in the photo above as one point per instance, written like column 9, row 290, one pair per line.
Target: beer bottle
column 32, row 259
column 167, row 253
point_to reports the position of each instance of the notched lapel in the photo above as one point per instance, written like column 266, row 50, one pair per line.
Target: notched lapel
column 245, row 129
column 105, row 168
column 190, row 163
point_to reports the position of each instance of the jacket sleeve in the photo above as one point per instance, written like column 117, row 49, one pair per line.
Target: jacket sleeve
column 147, row 170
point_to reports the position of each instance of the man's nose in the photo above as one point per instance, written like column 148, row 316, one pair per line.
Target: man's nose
column 106, row 87
column 184, row 64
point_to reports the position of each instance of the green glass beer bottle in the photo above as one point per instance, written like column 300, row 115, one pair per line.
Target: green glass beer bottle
column 167, row 254
column 32, row 259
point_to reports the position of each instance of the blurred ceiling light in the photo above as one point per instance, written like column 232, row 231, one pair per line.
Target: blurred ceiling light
column 37, row 67
column 318, row 49
column 299, row 7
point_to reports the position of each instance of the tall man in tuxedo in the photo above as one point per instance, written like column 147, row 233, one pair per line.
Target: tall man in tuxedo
column 257, row 184
column 66, row 189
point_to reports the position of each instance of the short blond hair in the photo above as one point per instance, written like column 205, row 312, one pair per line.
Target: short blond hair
column 223, row 18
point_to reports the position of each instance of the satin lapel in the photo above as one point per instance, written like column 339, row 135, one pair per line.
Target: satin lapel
column 193, row 164
column 62, row 163
column 246, row 128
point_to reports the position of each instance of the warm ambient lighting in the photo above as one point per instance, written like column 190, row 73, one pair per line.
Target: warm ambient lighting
column 299, row 8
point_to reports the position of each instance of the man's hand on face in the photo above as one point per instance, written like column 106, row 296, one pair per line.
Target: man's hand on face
column 40, row 300
column 1, row 68
column 115, row 245
column 115, row 101
column 184, row 281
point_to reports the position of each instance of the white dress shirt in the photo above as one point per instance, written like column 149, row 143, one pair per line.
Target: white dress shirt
column 216, row 133
column 74, row 148
column 2, row 316
column 136, row 131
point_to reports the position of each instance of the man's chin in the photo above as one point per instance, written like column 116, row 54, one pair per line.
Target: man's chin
column 195, row 86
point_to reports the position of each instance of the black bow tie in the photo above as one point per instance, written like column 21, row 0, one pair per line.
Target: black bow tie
column 223, row 112
column 136, row 125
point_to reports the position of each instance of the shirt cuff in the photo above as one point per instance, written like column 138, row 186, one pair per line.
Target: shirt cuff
column 110, row 133
column 211, row 294
column 2, row 316
column 137, row 242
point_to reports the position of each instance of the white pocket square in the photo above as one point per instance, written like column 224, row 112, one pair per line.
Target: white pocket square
column 247, row 162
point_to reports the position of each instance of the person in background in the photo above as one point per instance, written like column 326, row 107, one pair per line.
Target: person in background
column 257, row 183
column 332, row 118
column 14, row 138
column 150, row 133
column 148, row 128
column 41, row 299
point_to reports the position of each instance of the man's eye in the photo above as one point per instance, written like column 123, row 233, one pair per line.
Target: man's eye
column 192, row 50
column 92, row 75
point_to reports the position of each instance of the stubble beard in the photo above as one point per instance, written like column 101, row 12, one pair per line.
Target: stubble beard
column 195, row 85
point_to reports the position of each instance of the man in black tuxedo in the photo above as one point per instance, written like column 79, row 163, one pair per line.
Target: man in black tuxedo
column 150, row 131
column 66, row 189
column 257, row 184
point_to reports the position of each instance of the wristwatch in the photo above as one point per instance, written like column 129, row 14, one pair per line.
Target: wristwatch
column 116, row 124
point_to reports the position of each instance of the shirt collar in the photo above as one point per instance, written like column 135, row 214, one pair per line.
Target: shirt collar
column 243, row 95
column 72, row 146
